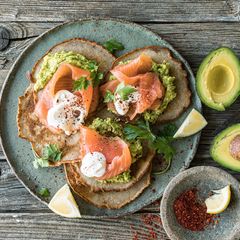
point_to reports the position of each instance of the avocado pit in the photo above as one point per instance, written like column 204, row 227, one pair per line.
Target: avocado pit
column 220, row 79
column 234, row 147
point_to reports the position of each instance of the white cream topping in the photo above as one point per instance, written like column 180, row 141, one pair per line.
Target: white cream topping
column 67, row 112
column 93, row 164
column 121, row 106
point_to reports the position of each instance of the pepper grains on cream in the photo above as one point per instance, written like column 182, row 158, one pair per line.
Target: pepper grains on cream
column 67, row 112
column 93, row 164
column 122, row 106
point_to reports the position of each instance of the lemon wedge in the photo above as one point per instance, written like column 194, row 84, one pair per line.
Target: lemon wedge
column 64, row 204
column 219, row 201
column 193, row 123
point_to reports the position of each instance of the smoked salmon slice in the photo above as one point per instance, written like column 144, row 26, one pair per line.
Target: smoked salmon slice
column 63, row 79
column 115, row 150
column 138, row 74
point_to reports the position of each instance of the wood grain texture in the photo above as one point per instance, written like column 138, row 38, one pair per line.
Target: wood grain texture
column 193, row 40
column 192, row 27
column 140, row 11
column 50, row 226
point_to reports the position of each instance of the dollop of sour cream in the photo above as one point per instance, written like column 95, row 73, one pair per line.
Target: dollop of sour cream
column 67, row 112
column 93, row 164
column 122, row 106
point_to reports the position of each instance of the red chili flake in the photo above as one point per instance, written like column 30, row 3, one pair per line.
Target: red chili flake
column 190, row 212
column 151, row 221
column 135, row 233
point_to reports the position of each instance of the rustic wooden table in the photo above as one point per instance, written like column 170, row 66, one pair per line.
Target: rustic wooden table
column 192, row 27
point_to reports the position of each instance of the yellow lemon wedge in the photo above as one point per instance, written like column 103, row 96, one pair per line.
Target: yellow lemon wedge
column 64, row 204
column 193, row 123
column 219, row 201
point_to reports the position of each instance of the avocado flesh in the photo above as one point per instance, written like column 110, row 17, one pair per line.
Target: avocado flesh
column 220, row 150
column 218, row 79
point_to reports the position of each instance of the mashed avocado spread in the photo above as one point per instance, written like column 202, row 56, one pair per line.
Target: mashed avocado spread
column 110, row 127
column 52, row 61
column 162, row 69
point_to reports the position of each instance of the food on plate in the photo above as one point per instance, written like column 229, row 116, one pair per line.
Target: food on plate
column 62, row 94
column 102, row 199
column 192, row 124
column 107, row 158
column 112, row 45
column 64, row 204
column 110, row 162
column 219, row 201
column 226, row 148
column 218, row 79
column 147, row 82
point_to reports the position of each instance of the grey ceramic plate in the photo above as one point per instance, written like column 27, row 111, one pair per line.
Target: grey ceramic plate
column 204, row 179
column 18, row 151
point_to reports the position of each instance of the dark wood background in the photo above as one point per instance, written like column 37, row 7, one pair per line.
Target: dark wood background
column 192, row 27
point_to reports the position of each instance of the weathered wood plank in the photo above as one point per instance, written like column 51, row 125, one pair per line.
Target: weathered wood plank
column 144, row 10
column 192, row 40
column 50, row 226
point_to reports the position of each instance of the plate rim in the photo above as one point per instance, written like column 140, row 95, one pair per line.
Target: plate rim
column 82, row 20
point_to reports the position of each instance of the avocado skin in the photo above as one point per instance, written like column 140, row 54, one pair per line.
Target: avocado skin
column 230, row 53
column 219, row 139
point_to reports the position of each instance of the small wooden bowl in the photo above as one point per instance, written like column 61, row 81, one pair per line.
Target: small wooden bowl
column 204, row 179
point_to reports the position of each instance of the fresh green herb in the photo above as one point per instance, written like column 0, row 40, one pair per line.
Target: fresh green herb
column 81, row 83
column 161, row 144
column 168, row 131
column 50, row 153
column 109, row 96
column 113, row 45
column 139, row 131
column 44, row 192
column 124, row 91
column 97, row 78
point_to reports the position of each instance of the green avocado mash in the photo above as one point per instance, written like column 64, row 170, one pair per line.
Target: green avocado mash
column 121, row 178
column 168, row 81
column 111, row 127
column 52, row 61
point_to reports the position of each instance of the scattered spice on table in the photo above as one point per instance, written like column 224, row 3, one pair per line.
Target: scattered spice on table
column 191, row 213
column 151, row 222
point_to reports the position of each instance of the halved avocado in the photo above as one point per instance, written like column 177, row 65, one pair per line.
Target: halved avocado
column 224, row 147
column 218, row 79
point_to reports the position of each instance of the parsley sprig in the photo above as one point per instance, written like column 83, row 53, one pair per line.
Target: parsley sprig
column 124, row 91
column 140, row 131
column 81, row 83
column 113, row 45
column 50, row 153
column 109, row 96
column 161, row 144
column 44, row 192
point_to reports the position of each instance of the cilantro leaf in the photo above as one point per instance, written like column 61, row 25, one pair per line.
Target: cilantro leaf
column 162, row 146
column 162, row 143
column 168, row 131
column 139, row 131
column 124, row 91
column 113, row 45
column 109, row 96
column 97, row 79
column 81, row 83
column 44, row 192
column 50, row 153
